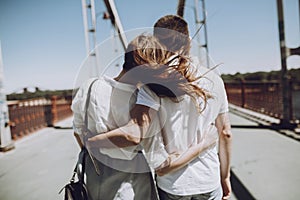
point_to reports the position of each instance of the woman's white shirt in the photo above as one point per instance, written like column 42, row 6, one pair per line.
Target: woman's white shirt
column 183, row 126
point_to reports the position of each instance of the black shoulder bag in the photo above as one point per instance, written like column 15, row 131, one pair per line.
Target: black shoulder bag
column 76, row 190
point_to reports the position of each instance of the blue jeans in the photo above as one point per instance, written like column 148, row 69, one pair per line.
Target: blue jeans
column 213, row 195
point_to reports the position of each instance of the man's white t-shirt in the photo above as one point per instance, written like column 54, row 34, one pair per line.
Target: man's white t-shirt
column 183, row 126
column 109, row 107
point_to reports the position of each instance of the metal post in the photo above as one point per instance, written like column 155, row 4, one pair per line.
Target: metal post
column 205, row 31
column 90, row 28
column 94, row 24
column 243, row 97
column 200, row 23
column 180, row 7
column 285, row 121
column 115, row 20
column 86, row 29
column 5, row 134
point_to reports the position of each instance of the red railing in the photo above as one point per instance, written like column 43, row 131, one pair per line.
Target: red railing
column 31, row 115
column 263, row 97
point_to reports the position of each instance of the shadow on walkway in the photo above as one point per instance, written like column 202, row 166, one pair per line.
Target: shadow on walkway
column 238, row 188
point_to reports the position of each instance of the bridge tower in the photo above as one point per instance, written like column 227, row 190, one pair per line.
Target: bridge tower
column 90, row 30
column 285, row 53
column 89, row 22
column 5, row 134
column 200, row 20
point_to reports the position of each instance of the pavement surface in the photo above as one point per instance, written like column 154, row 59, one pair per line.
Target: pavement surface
column 265, row 163
column 39, row 166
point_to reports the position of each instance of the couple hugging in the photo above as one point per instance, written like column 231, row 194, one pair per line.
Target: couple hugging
column 161, row 116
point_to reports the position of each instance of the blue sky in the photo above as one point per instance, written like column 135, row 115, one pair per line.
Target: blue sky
column 43, row 40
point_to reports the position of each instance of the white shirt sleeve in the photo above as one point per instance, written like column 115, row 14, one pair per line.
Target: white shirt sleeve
column 148, row 98
column 78, row 107
column 154, row 149
column 152, row 142
column 224, row 101
column 78, row 110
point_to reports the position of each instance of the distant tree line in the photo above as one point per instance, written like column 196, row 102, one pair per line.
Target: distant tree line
column 67, row 94
column 294, row 75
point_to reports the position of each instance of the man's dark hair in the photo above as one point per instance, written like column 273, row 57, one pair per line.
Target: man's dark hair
column 172, row 31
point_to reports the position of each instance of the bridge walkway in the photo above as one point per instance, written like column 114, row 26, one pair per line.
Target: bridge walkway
column 265, row 163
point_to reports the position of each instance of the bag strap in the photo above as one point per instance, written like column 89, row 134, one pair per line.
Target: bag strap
column 87, row 103
column 84, row 151
column 81, row 159
column 80, row 176
column 162, row 130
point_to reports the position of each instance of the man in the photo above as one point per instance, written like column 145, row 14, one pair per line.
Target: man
column 124, row 172
column 216, row 112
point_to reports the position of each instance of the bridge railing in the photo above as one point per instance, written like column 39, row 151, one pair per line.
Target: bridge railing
column 263, row 97
column 30, row 115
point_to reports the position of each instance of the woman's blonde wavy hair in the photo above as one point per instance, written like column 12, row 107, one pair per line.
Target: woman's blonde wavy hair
column 164, row 72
